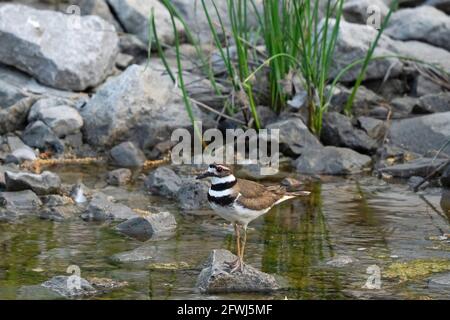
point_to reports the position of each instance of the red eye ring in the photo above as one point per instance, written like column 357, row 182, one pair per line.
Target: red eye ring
column 219, row 169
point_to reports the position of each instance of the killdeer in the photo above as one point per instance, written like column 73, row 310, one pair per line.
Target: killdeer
column 241, row 201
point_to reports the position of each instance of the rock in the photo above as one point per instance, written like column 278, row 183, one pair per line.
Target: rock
column 443, row 5
column 131, row 45
column 147, row 227
column 127, row 154
column 295, row 136
column 422, row 85
column 353, row 43
column 101, row 208
column 140, row 105
column 356, row 11
column 134, row 16
column 58, row 214
column 419, row 167
column 338, row 131
column 439, row 282
column 55, row 50
column 19, row 151
column 62, row 119
column 55, row 200
column 41, row 184
column 402, row 107
column 119, row 177
column 433, row 103
column 365, row 100
column 39, row 135
column 422, row 135
column 97, row 8
column 340, row 261
column 14, row 118
column 374, row 128
column 163, row 181
column 425, row 52
column 67, row 287
column 332, row 161
column 445, row 178
column 193, row 195
column 216, row 276
column 414, row 181
column 424, row 23
column 140, row 254
column 23, row 200
column 124, row 60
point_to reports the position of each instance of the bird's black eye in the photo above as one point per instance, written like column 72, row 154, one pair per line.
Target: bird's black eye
column 219, row 169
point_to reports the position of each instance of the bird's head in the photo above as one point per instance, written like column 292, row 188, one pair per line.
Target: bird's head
column 215, row 170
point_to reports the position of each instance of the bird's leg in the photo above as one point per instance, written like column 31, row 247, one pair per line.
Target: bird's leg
column 235, row 263
column 244, row 242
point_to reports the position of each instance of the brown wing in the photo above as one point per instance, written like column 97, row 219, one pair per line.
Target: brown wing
column 257, row 196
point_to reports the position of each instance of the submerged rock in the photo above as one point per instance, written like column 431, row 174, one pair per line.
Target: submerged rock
column 42, row 184
column 163, row 181
column 101, row 208
column 146, row 227
column 216, row 276
column 127, row 155
column 340, row 261
column 418, row 167
column 54, row 49
column 119, row 177
column 332, row 161
column 140, row 254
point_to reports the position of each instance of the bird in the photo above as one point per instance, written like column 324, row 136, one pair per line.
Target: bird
column 241, row 201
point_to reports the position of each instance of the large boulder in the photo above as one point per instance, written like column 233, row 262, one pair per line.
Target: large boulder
column 423, row 23
column 55, row 49
column 423, row 135
column 134, row 16
column 216, row 276
column 42, row 184
column 332, row 161
column 140, row 105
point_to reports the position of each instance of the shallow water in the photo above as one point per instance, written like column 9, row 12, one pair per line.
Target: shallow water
column 366, row 219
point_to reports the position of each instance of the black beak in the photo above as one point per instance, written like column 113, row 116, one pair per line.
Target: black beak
column 205, row 175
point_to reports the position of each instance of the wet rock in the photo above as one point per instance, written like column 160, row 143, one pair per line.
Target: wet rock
column 68, row 287
column 49, row 39
column 193, row 195
column 140, row 254
column 163, row 181
column 356, row 11
column 332, row 161
column 41, row 184
column 119, row 177
column 22, row 200
column 340, row 261
column 445, row 178
column 374, row 128
column 127, row 154
column 14, row 117
column 353, row 43
column 59, row 214
column 338, row 131
column 39, row 135
column 133, row 15
column 146, row 227
column 216, row 276
column 101, row 208
column 423, row 23
column 295, row 136
column 129, row 107
column 419, row 167
column 422, row 135
column 62, row 119
column 433, row 103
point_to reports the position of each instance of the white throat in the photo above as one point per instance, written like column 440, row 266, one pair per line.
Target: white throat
column 220, row 180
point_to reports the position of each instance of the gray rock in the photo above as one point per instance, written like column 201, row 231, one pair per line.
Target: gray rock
column 134, row 16
column 131, row 45
column 59, row 214
column 439, row 282
column 443, row 5
column 15, row 117
column 119, row 177
column 124, row 60
column 192, row 195
column 419, row 167
column 55, row 200
column 163, row 181
column 340, row 261
column 19, row 151
column 146, row 227
column 68, row 287
column 445, row 178
column 216, row 276
column 41, row 184
column 332, row 161
column 101, row 208
column 373, row 127
column 422, row 86
column 338, row 131
column 422, row 135
column 53, row 48
column 402, row 107
column 140, row 105
column 97, row 8
column 127, row 154
column 433, row 103
column 295, row 136
column 353, row 43
column 140, row 254
column 22, row 201
column 365, row 100
column 355, row 11
column 62, row 119
column 39, row 135
column 423, row 23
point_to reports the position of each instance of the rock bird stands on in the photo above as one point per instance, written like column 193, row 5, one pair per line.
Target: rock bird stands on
column 241, row 201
